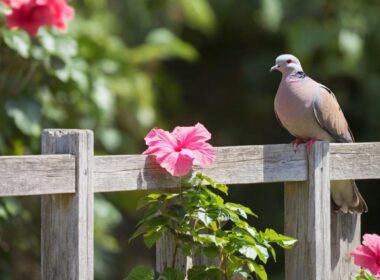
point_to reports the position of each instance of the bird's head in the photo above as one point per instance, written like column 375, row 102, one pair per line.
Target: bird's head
column 287, row 63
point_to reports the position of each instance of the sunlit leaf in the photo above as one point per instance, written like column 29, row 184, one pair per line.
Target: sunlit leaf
column 141, row 273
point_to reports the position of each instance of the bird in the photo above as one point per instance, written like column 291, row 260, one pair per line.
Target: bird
column 310, row 112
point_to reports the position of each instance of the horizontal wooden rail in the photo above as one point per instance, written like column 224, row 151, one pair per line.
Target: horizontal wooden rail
column 35, row 175
column 240, row 165
column 48, row 174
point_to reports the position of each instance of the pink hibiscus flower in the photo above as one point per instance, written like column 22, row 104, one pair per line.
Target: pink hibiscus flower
column 178, row 151
column 368, row 254
column 30, row 15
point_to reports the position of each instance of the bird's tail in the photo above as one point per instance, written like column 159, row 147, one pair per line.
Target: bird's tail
column 347, row 198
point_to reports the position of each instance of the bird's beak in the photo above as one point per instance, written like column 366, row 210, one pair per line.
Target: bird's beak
column 274, row 67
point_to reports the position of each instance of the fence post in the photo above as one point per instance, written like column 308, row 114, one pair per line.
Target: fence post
column 67, row 219
column 345, row 236
column 307, row 218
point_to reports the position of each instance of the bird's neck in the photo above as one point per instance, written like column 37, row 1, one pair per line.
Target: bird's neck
column 295, row 74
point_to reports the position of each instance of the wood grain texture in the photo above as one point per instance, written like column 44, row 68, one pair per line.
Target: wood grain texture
column 32, row 175
column 307, row 218
column 239, row 165
column 345, row 236
column 355, row 161
column 67, row 219
column 234, row 165
column 165, row 252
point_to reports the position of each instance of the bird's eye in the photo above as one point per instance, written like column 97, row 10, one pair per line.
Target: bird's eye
column 289, row 61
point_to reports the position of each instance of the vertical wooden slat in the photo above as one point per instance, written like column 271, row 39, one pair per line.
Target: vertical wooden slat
column 165, row 252
column 67, row 219
column 345, row 236
column 307, row 218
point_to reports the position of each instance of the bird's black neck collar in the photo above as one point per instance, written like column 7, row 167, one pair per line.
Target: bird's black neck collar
column 298, row 74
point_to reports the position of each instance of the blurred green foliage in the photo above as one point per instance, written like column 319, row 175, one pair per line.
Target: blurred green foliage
column 128, row 65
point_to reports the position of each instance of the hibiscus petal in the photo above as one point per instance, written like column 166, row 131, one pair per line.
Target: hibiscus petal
column 191, row 136
column 204, row 154
column 365, row 257
column 176, row 163
column 372, row 241
column 159, row 141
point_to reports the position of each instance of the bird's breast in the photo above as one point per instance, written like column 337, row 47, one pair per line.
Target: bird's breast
column 294, row 108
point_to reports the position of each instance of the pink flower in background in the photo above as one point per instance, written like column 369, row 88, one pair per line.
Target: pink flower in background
column 30, row 15
column 368, row 254
column 178, row 151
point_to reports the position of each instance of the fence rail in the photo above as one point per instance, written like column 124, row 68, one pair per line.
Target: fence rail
column 68, row 179
column 48, row 174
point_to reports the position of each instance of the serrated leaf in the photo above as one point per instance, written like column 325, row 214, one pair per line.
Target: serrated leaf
column 141, row 272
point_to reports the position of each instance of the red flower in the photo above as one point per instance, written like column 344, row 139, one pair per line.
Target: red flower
column 368, row 254
column 30, row 15
column 179, row 150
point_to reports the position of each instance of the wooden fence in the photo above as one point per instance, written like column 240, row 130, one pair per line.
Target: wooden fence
column 68, row 174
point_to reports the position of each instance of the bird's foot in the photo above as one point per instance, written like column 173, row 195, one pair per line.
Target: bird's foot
column 295, row 143
column 309, row 144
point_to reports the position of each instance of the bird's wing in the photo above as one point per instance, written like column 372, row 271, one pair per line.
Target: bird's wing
column 330, row 116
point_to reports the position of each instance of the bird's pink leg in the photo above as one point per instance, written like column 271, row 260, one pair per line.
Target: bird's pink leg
column 295, row 143
column 309, row 144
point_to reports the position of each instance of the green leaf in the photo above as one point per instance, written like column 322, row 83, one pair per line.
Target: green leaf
column 161, row 43
column 205, row 272
column 260, row 271
column 26, row 114
column 281, row 240
column 199, row 15
column 171, row 274
column 17, row 40
column 262, row 252
column 240, row 209
column 249, row 252
column 151, row 237
column 141, row 273
column 200, row 177
column 202, row 215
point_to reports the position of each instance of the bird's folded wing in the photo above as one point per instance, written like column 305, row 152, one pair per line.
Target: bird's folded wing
column 329, row 115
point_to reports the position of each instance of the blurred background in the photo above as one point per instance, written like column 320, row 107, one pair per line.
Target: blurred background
column 125, row 66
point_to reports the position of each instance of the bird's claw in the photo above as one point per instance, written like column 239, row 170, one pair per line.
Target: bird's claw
column 309, row 144
column 295, row 144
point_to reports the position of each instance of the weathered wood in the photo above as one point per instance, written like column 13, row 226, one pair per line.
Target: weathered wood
column 32, row 175
column 355, row 161
column 167, row 254
column 67, row 219
column 234, row 165
column 239, row 165
column 345, row 236
column 307, row 218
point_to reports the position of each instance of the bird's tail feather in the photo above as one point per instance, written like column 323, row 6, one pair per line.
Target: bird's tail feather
column 347, row 198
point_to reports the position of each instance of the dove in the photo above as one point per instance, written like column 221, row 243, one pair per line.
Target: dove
column 310, row 112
